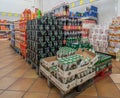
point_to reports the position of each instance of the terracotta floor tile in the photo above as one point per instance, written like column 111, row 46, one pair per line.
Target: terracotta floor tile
column 18, row 73
column 115, row 70
column 54, row 90
column 8, row 57
column 115, row 78
column 6, row 82
column 30, row 74
column 118, row 85
column 22, row 84
column 55, row 95
column 91, row 91
column 84, row 96
column 10, row 68
column 106, row 88
column 117, row 64
column 1, row 91
column 8, row 62
column 108, row 97
column 40, row 86
column 35, row 95
column 11, row 94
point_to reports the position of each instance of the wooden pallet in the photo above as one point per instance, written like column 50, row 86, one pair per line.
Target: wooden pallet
column 71, row 93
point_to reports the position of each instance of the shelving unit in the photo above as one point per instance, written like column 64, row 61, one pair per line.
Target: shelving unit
column 17, row 36
column 114, row 36
column 5, row 30
column 23, row 38
column 12, row 36
column 89, row 18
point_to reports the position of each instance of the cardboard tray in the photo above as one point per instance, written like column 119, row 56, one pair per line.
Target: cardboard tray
column 84, row 79
column 49, row 61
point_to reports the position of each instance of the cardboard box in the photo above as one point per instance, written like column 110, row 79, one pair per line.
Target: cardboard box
column 49, row 61
column 84, row 79
column 85, row 53
column 66, row 73
column 63, row 87
column 46, row 72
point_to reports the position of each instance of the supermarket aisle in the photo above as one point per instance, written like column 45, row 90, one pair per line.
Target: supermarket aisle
column 18, row 80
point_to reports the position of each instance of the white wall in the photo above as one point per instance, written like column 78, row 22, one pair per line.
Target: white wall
column 49, row 4
column 118, row 2
column 15, row 6
column 106, row 8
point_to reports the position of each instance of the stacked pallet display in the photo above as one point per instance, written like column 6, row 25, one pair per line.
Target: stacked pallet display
column 12, row 36
column 17, row 36
column 98, row 37
column 103, row 67
column 4, row 29
column 69, row 69
column 114, row 35
column 44, row 38
column 71, row 26
column 75, row 27
column 74, row 70
column 23, row 38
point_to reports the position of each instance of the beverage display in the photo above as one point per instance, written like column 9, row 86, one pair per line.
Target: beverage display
column 68, row 71
column 43, row 37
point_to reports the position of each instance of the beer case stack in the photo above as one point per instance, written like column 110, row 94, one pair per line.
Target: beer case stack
column 69, row 72
column 71, row 25
column 23, row 37
column 98, row 37
column 103, row 66
column 44, row 38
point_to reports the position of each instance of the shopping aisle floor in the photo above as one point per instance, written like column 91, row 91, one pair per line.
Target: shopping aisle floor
column 18, row 80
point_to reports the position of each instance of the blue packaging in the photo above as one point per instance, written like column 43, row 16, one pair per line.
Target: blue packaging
column 93, row 8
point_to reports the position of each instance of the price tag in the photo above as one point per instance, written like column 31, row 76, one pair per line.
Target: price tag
column 92, row 1
column 9, row 14
column 73, row 5
column 3, row 14
column 16, row 15
column 81, row 2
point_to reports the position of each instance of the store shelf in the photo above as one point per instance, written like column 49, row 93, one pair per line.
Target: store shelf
column 3, row 38
column 5, row 30
column 111, row 46
column 114, row 41
column 114, row 34
column 89, row 18
column 5, row 23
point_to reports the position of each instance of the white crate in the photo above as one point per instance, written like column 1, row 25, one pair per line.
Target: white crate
column 63, row 87
column 47, row 73
column 91, row 75
column 66, row 73
column 72, row 72
column 81, row 69
column 84, row 79
column 94, row 60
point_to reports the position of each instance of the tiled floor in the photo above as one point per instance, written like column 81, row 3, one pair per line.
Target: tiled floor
column 18, row 80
